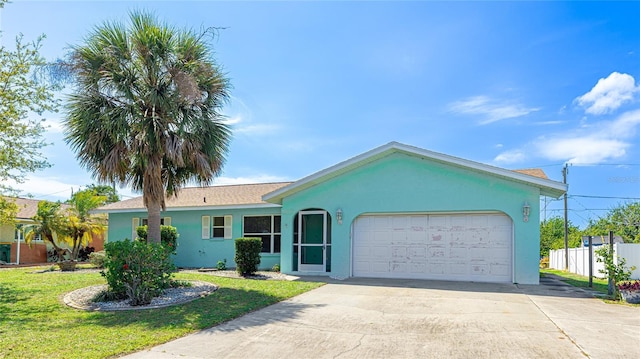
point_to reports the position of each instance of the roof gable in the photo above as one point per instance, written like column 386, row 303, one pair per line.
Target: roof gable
column 531, row 177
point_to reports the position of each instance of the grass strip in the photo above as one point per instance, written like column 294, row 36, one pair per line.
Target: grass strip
column 34, row 323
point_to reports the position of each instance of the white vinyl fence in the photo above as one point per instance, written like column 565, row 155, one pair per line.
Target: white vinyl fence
column 579, row 259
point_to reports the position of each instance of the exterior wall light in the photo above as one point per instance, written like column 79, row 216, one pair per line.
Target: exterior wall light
column 526, row 210
column 339, row 215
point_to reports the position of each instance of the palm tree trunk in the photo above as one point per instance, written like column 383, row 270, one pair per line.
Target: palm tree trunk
column 153, row 234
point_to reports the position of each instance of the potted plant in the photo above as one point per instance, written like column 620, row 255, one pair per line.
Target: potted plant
column 630, row 291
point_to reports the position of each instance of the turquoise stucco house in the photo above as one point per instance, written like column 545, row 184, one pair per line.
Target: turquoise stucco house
column 396, row 211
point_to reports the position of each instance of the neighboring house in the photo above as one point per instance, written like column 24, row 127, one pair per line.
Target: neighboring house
column 11, row 235
column 599, row 240
column 396, row 211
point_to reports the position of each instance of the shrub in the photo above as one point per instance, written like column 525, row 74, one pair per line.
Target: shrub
column 137, row 270
column 544, row 263
column 630, row 285
column 97, row 259
column 616, row 272
column 168, row 236
column 85, row 253
column 275, row 268
column 247, row 255
column 222, row 264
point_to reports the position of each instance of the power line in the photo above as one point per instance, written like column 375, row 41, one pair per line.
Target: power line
column 605, row 164
column 605, row 197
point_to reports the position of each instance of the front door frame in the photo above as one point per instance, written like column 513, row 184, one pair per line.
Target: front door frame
column 312, row 267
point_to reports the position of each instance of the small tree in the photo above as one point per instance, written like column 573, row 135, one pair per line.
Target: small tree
column 22, row 95
column 247, row 255
column 617, row 272
column 79, row 226
column 48, row 224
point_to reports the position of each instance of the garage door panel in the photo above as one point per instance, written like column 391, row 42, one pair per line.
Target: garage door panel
column 380, row 267
column 398, row 253
column 458, row 268
column 418, row 268
column 437, row 268
column 500, row 269
column 417, row 253
column 458, row 253
column 476, row 247
column 379, row 252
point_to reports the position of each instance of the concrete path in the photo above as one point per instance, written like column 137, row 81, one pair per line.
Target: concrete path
column 375, row 318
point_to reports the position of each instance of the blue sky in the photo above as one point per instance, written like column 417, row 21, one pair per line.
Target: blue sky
column 511, row 84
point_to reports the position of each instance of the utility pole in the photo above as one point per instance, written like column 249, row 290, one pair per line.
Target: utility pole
column 566, row 221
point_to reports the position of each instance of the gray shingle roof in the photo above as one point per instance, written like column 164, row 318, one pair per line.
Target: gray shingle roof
column 27, row 207
column 213, row 196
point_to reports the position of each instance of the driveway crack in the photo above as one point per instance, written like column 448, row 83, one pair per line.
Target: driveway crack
column 352, row 349
column 571, row 339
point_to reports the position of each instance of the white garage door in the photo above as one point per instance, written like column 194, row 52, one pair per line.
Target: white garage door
column 465, row 247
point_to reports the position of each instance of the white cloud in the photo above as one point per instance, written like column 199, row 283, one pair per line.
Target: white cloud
column 234, row 120
column 51, row 188
column 588, row 149
column 256, row 129
column 54, row 125
column 490, row 110
column 511, row 156
column 609, row 94
column 547, row 123
column 599, row 142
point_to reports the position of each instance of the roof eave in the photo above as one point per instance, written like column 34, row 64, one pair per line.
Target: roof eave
column 547, row 187
column 191, row 208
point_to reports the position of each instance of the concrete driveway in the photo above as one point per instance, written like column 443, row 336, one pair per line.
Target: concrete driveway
column 375, row 318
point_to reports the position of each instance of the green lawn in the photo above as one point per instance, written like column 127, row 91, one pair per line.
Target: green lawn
column 600, row 285
column 34, row 323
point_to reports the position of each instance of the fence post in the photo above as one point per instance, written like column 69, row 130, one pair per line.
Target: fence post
column 610, row 283
column 590, row 262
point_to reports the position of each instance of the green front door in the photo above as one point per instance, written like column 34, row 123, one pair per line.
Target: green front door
column 312, row 236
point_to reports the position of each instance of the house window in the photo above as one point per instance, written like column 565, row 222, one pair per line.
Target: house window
column 266, row 228
column 217, row 227
column 164, row 221
column 21, row 233
column 137, row 222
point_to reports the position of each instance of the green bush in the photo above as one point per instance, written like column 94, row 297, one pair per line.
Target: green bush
column 168, row 236
column 137, row 270
column 222, row 264
column 247, row 255
column 275, row 268
column 616, row 272
column 97, row 259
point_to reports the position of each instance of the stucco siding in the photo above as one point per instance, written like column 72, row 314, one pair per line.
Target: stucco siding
column 193, row 251
column 401, row 183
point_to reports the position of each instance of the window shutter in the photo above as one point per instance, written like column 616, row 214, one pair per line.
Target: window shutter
column 135, row 223
column 167, row 221
column 228, row 222
column 206, row 227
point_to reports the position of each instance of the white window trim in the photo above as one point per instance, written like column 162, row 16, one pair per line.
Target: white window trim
column 209, row 226
column 272, row 233
column 206, row 227
column 135, row 223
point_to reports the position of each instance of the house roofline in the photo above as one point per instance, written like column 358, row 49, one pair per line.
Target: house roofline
column 191, row 208
column 547, row 187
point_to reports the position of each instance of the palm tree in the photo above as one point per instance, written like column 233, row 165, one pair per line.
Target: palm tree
column 48, row 224
column 146, row 109
column 79, row 226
